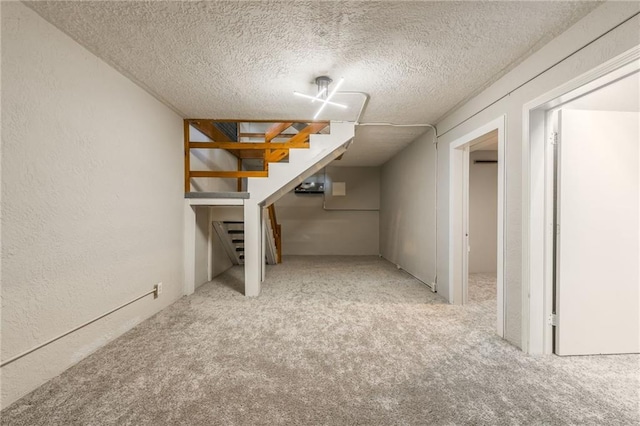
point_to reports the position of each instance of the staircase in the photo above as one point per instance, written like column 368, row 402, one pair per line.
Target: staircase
column 231, row 233
column 285, row 165
column 303, row 162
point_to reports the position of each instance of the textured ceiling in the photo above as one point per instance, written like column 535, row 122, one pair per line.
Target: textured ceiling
column 223, row 59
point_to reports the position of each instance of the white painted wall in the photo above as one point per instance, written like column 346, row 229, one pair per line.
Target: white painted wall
column 362, row 185
column 504, row 97
column 349, row 228
column 407, row 209
column 92, row 200
column 483, row 212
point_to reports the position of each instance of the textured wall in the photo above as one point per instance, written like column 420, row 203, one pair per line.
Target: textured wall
column 350, row 228
column 91, row 200
column 483, row 212
column 466, row 119
column 407, row 209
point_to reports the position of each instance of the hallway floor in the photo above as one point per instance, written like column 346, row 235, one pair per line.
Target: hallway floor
column 335, row 341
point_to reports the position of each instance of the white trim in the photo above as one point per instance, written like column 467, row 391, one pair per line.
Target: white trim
column 263, row 241
column 536, row 279
column 189, row 237
column 458, row 203
column 210, row 245
column 465, row 223
column 253, row 257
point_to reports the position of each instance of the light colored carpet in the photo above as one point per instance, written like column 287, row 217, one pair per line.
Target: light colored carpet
column 335, row 341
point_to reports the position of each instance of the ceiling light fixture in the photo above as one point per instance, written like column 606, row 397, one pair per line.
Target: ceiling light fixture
column 316, row 98
column 323, row 91
column 323, row 87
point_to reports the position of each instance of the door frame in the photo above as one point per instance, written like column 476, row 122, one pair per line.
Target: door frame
column 459, row 216
column 537, row 197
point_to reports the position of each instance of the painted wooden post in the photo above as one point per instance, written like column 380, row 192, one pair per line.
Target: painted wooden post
column 252, row 248
column 189, row 248
column 263, row 237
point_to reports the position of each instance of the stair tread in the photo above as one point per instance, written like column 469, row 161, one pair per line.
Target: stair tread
column 233, row 222
column 235, row 231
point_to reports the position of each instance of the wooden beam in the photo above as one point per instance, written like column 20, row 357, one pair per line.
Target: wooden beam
column 275, row 130
column 277, row 232
column 276, row 155
column 248, row 145
column 229, row 174
column 187, row 158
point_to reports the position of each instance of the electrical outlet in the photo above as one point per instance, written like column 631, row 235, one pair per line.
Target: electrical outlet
column 158, row 288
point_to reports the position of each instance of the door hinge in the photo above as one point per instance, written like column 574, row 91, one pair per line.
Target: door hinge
column 553, row 320
column 553, row 138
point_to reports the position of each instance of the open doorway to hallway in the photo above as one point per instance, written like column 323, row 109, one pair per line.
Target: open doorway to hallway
column 483, row 219
column 483, row 147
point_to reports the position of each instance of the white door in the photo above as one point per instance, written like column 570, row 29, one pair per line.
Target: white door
column 598, row 240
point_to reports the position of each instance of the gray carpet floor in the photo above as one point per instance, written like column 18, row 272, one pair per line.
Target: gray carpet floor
column 331, row 341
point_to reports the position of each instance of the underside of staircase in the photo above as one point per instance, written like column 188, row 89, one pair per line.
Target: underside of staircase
column 272, row 159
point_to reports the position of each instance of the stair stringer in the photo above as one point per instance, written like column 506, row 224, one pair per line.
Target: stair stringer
column 271, row 252
column 227, row 242
column 304, row 162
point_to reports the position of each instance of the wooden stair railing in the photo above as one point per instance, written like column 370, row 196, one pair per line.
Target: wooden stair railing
column 277, row 232
column 269, row 151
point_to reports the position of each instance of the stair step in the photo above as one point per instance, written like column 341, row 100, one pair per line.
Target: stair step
column 233, row 222
column 237, row 241
column 239, row 248
column 235, row 231
column 242, row 257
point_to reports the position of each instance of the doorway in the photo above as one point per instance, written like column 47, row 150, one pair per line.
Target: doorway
column 488, row 143
column 582, row 239
column 483, row 219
